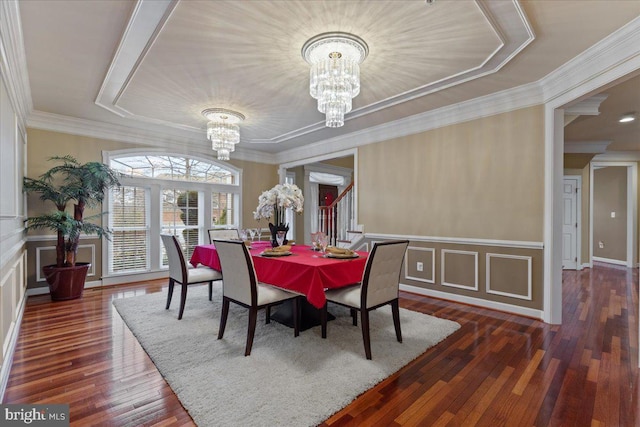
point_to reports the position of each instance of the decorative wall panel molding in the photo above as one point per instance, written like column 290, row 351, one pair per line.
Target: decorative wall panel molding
column 526, row 263
column 443, row 268
column 432, row 278
column 39, row 265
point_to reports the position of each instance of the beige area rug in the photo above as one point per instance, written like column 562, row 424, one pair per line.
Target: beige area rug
column 286, row 381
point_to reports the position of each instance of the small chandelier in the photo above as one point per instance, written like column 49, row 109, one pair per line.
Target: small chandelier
column 335, row 72
column 223, row 130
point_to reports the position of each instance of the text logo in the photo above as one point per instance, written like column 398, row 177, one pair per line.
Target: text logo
column 34, row 415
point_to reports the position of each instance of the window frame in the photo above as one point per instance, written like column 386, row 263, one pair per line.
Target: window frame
column 155, row 187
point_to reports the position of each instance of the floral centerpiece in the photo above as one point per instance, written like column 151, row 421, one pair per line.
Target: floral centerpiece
column 274, row 203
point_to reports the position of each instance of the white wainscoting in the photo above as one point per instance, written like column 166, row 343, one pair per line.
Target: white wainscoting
column 480, row 300
column 12, row 300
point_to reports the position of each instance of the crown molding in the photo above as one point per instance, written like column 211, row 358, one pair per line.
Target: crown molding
column 153, row 138
column 505, row 18
column 144, row 26
column 587, row 107
column 586, row 147
column 501, row 102
column 618, row 156
column 613, row 57
column 13, row 63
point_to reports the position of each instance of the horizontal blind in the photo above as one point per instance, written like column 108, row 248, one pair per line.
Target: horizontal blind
column 181, row 217
column 129, row 223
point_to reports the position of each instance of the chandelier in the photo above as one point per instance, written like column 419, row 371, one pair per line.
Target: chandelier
column 223, row 130
column 335, row 72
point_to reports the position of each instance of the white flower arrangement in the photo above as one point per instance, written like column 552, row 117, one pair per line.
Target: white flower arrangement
column 276, row 200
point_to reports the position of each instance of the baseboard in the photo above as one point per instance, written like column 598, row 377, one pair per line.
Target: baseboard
column 139, row 277
column 493, row 305
column 42, row 290
column 5, row 370
column 585, row 265
column 610, row 261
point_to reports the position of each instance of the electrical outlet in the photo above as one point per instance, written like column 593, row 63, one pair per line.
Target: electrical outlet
column 601, row 245
column 613, row 214
column 419, row 266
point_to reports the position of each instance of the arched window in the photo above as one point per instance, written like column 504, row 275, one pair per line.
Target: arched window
column 166, row 194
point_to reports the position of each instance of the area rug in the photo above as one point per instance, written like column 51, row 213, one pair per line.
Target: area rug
column 286, row 381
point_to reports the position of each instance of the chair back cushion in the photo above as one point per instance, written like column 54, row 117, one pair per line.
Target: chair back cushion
column 381, row 277
column 223, row 234
column 177, row 265
column 238, row 273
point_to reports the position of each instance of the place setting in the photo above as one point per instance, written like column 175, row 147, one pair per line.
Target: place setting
column 340, row 253
column 278, row 251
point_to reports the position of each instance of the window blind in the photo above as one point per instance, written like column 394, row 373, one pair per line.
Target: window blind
column 129, row 223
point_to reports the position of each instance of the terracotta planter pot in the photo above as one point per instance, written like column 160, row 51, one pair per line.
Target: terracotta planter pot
column 66, row 283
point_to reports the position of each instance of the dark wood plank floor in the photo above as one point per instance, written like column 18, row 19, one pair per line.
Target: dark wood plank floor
column 497, row 370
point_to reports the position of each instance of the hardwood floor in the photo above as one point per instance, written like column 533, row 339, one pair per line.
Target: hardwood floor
column 497, row 370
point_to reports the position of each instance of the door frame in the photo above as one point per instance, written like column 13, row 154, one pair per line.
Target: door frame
column 578, row 179
column 632, row 208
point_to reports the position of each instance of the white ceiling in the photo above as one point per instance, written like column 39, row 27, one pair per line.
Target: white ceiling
column 155, row 65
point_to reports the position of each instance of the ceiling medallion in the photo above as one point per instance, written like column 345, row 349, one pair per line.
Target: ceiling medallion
column 335, row 60
column 223, row 130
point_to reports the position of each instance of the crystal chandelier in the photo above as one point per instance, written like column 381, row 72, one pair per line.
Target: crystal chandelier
column 335, row 72
column 223, row 130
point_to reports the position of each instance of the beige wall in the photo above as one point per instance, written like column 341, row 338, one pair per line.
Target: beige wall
column 46, row 144
column 343, row 162
column 256, row 178
column 480, row 179
column 43, row 144
column 299, row 173
column 577, row 160
column 610, row 195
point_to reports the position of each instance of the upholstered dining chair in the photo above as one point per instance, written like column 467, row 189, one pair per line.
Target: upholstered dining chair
column 379, row 286
column 241, row 286
column 223, row 233
column 181, row 273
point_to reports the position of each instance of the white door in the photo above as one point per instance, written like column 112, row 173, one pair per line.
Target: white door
column 570, row 224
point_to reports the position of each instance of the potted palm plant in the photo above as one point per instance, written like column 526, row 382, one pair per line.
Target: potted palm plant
column 83, row 186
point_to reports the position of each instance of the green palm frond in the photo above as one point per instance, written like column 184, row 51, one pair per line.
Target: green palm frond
column 84, row 185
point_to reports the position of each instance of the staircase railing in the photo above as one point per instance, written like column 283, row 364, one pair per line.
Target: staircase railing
column 338, row 218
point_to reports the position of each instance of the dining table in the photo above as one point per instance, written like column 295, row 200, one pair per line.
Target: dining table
column 304, row 271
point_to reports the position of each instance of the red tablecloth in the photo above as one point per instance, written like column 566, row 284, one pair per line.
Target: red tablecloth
column 306, row 271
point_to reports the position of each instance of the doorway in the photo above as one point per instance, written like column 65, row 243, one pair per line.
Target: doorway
column 571, row 223
column 613, row 212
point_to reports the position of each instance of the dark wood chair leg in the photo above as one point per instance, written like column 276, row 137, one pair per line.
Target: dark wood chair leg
column 170, row 294
column 210, row 291
column 396, row 319
column 323, row 320
column 364, row 314
column 251, row 330
column 183, row 300
column 296, row 316
column 354, row 316
column 267, row 316
column 223, row 317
